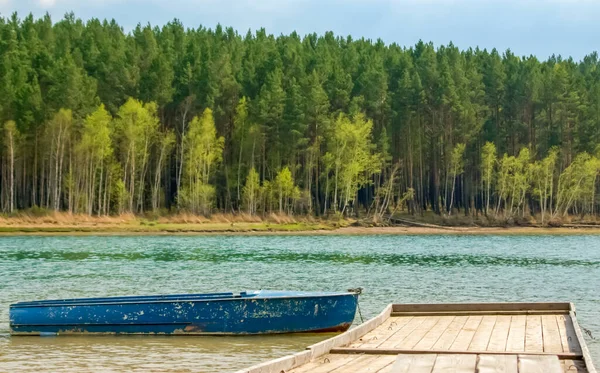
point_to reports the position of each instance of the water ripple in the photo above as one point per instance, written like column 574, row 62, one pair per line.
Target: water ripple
column 390, row 268
column 427, row 260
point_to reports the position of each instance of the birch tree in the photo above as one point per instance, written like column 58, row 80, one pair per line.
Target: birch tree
column 251, row 191
column 285, row 190
column 575, row 183
column 488, row 162
column 165, row 144
column 457, row 167
column 543, row 174
column 204, row 152
column 360, row 161
column 11, row 133
column 241, row 128
column 138, row 125
column 94, row 150
column 58, row 130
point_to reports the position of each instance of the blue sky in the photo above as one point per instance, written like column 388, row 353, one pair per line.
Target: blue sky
column 539, row 27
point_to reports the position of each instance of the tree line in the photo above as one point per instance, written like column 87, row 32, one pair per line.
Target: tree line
column 97, row 120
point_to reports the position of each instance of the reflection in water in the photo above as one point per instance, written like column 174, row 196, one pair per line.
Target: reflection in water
column 200, row 255
column 142, row 353
column 389, row 268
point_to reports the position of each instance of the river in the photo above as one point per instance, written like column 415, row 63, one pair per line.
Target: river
column 390, row 269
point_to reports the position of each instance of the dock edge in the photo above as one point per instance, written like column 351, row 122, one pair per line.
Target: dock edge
column 317, row 350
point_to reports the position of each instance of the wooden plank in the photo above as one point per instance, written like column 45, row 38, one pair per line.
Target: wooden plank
column 369, row 363
column 396, row 351
column 387, row 368
column 434, row 333
column 376, row 333
column 573, row 366
column 284, row 363
column 497, row 364
column 516, row 334
column 482, row 335
column 539, row 364
column 499, row 334
column 568, row 337
column 382, row 363
column 325, row 364
column 344, row 339
column 463, row 313
column 418, row 333
column 465, row 336
column 455, row 363
column 582, row 345
column 533, row 334
column 414, row 363
column 383, row 332
column 572, row 342
column 551, row 334
column 401, row 333
column 448, row 307
column 447, row 338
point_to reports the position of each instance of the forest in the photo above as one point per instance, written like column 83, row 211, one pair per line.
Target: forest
column 161, row 119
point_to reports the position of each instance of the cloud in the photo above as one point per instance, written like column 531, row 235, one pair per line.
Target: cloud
column 47, row 3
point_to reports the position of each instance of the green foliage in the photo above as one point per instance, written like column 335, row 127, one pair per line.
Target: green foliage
column 137, row 126
column 355, row 157
column 10, row 134
column 457, row 167
column 204, row 152
column 488, row 164
column 96, row 135
column 457, row 162
column 542, row 176
column 285, row 190
column 251, row 191
column 577, row 184
column 58, row 133
column 165, row 146
column 109, row 121
column 93, row 150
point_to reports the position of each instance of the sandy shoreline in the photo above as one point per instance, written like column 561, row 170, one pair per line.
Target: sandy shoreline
column 226, row 229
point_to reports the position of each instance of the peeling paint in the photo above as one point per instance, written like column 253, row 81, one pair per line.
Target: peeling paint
column 326, row 312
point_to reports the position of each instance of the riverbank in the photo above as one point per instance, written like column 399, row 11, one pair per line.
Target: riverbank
column 66, row 224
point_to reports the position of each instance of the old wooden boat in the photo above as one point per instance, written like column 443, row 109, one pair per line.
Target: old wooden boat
column 466, row 338
column 250, row 312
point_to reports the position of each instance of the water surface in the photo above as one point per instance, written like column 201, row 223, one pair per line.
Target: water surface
column 389, row 268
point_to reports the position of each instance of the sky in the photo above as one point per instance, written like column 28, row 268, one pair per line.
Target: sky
column 538, row 27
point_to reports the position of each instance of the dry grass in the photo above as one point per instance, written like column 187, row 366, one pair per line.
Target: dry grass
column 64, row 219
column 458, row 219
column 41, row 221
column 67, row 219
column 50, row 221
column 187, row 218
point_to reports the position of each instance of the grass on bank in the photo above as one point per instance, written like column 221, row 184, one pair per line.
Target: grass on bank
column 47, row 221
column 62, row 222
column 459, row 219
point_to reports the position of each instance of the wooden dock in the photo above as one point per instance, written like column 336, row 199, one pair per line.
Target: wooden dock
column 462, row 338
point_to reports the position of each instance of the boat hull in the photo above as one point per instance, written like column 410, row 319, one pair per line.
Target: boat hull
column 203, row 314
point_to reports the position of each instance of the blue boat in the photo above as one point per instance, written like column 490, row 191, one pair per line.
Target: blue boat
column 249, row 312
